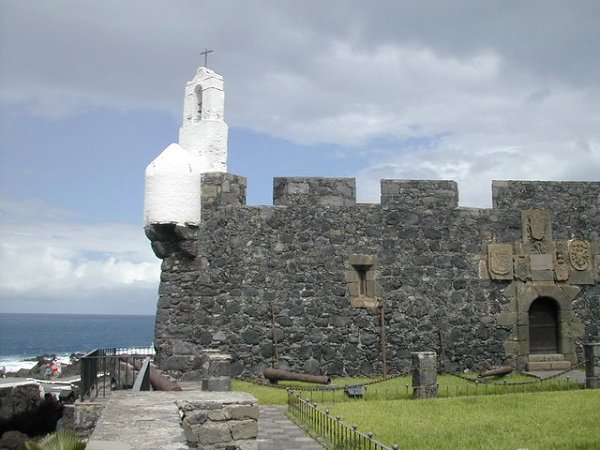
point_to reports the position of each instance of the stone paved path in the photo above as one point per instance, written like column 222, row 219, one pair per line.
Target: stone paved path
column 575, row 376
column 139, row 421
column 150, row 421
column 277, row 432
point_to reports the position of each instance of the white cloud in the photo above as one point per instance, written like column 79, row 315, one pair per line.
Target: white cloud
column 454, row 158
column 54, row 259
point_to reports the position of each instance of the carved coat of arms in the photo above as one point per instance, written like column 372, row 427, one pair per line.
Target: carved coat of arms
column 537, row 227
column 536, row 224
column 580, row 254
column 521, row 267
column 561, row 267
column 500, row 261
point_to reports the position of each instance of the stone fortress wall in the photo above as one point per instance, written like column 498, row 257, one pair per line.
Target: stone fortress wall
column 303, row 284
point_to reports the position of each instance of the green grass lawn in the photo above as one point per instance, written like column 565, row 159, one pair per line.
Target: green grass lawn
column 546, row 420
column 277, row 394
column 398, row 388
column 266, row 395
column 526, row 418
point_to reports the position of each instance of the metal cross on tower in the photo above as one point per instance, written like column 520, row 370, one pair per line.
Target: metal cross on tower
column 205, row 53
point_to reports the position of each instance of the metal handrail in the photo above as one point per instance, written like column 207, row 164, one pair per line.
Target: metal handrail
column 107, row 369
column 89, row 373
column 332, row 429
column 142, row 381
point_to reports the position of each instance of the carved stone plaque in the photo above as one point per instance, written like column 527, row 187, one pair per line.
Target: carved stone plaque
column 580, row 255
column 542, row 267
column 542, row 262
column 539, row 258
column 561, row 262
column 521, row 267
column 500, row 261
column 536, row 229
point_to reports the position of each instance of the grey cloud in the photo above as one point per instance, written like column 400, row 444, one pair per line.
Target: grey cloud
column 137, row 54
column 520, row 75
column 467, row 90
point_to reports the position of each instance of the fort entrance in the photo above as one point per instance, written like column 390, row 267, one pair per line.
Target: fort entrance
column 545, row 277
column 543, row 326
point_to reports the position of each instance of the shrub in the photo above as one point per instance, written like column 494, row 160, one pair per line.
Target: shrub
column 61, row 440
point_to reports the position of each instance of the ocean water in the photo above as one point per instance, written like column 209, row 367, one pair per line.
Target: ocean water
column 24, row 336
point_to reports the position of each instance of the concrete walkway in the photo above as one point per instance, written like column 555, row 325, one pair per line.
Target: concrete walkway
column 139, row 420
column 150, row 421
column 277, row 432
column 574, row 375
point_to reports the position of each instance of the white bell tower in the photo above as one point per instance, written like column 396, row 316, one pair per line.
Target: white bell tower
column 174, row 179
column 204, row 131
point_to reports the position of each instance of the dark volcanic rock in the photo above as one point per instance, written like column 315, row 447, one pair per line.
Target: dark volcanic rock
column 285, row 271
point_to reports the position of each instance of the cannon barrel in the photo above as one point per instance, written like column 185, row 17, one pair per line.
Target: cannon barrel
column 274, row 375
column 502, row 370
column 159, row 382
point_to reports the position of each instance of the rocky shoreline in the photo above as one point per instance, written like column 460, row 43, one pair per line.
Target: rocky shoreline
column 38, row 371
column 31, row 409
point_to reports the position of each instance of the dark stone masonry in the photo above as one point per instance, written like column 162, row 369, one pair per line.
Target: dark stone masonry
column 306, row 284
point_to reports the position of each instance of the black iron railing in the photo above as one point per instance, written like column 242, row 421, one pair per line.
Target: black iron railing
column 331, row 428
column 107, row 369
column 89, row 372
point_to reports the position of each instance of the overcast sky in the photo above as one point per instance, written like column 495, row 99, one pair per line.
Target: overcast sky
column 91, row 92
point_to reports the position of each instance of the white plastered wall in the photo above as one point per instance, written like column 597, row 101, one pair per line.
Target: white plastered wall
column 173, row 189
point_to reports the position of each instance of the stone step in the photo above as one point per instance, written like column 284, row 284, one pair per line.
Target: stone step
column 547, row 357
column 548, row 365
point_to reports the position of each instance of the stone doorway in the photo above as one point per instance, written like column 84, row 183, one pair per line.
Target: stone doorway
column 543, row 326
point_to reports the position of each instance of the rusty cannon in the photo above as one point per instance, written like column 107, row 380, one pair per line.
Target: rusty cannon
column 275, row 375
column 158, row 381
column 497, row 372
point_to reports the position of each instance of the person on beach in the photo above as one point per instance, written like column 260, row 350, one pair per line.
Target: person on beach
column 3, row 372
column 54, row 368
column 47, row 371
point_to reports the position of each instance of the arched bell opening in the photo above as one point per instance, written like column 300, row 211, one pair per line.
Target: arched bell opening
column 199, row 94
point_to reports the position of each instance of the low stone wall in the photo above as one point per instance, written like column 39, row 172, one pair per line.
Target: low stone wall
column 81, row 417
column 220, row 421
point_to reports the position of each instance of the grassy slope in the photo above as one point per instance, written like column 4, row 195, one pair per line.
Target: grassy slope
column 550, row 420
